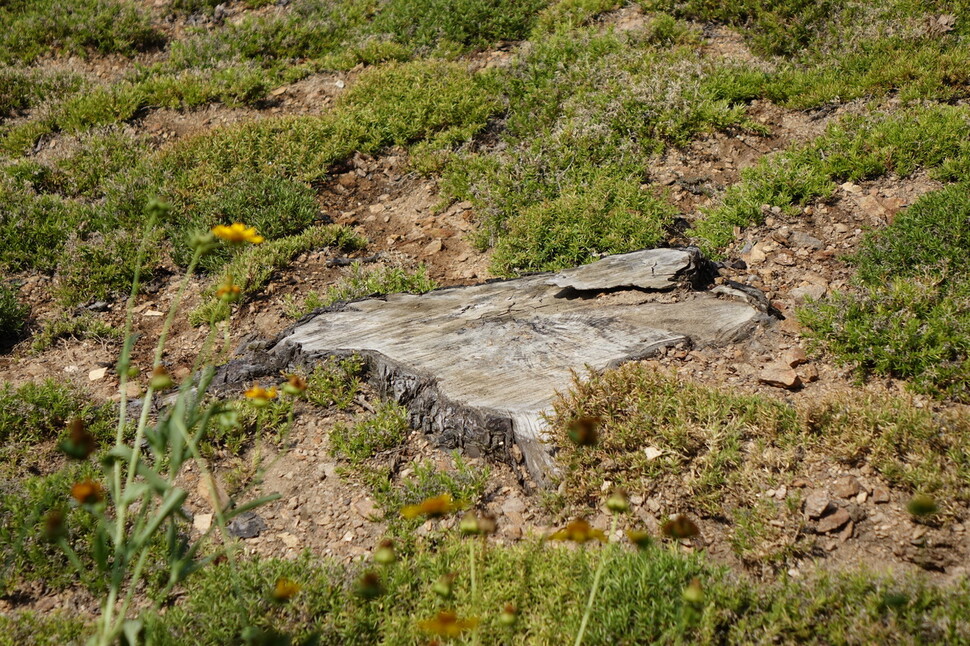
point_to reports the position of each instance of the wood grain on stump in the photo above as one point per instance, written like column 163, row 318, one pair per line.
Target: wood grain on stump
column 478, row 366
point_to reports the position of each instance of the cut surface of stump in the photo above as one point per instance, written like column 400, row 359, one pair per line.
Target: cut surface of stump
column 478, row 366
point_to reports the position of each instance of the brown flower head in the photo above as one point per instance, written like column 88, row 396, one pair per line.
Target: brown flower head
column 228, row 291
column 680, row 526
column 54, row 526
column 474, row 524
column 578, row 531
column 285, row 589
column 87, row 492
column 431, row 507
column 295, row 385
column 80, row 444
column 584, row 431
column 639, row 538
column 369, row 586
column 447, row 624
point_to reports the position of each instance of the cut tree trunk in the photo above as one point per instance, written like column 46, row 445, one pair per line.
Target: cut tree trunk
column 478, row 366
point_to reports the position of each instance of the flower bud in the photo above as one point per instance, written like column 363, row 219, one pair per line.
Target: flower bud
column 443, row 586
column 384, row 554
column 80, row 444
column 369, row 586
column 295, row 385
column 509, row 615
column 694, row 593
column 618, row 502
column 160, row 380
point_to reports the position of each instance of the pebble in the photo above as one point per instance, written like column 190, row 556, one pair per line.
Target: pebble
column 816, row 504
column 833, row 521
column 779, row 375
column 846, row 487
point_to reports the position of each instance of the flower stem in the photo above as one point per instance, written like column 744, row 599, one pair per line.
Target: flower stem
column 595, row 588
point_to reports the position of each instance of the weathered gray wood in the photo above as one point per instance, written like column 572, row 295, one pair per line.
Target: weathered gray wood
column 478, row 366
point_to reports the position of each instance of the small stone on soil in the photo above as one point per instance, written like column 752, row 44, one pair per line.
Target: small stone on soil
column 833, row 521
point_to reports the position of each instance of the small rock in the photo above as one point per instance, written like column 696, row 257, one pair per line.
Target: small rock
column 132, row 389
column 805, row 292
column 366, row 508
column 816, row 504
column 433, row 247
column 246, row 525
column 833, row 521
column 861, row 498
column 802, row 239
column 846, row 533
column 516, row 453
column 754, row 256
column 846, row 487
column 289, row 539
column 652, row 452
column 880, row 495
column 204, row 491
column 794, row 356
column 153, row 313
column 781, row 493
column 202, row 522
column 779, row 375
column 97, row 373
column 513, row 506
column 376, row 208
column 808, row 374
column 849, row 187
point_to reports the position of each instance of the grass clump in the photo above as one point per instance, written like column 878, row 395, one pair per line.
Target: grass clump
column 363, row 281
column 383, row 429
column 38, row 412
column 856, row 148
column 13, row 316
column 85, row 326
column 251, row 269
column 910, row 314
column 586, row 112
column 719, row 449
column 543, row 583
column 465, row 484
column 32, row 28
column 335, row 382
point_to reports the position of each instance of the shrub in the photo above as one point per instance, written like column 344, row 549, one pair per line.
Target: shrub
column 13, row 315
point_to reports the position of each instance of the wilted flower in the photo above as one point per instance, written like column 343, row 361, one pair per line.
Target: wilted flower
column 295, row 385
column 204, row 241
column 583, row 430
column 922, row 505
column 80, row 444
column 509, row 615
column 160, row 380
column 87, row 492
column 618, row 503
column 369, row 586
column 694, row 592
column 384, row 554
column 236, row 233
column 639, row 538
column 54, row 527
column 228, row 291
column 578, row 531
column 260, row 396
column 679, row 527
column 285, row 589
column 443, row 586
column 431, row 507
column 447, row 624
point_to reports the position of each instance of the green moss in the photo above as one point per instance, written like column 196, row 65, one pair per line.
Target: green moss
column 855, row 148
column 909, row 316
column 365, row 281
column 13, row 315
column 65, row 326
column 384, row 429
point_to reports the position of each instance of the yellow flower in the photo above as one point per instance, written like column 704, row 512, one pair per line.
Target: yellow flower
column 578, row 531
column 431, row 507
column 87, row 492
column 260, row 396
column 285, row 589
column 237, row 232
column 228, row 291
column 447, row 624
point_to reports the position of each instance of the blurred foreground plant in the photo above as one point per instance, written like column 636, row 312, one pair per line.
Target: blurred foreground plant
column 138, row 504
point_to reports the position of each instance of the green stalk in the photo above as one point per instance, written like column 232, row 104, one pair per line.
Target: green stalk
column 595, row 588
